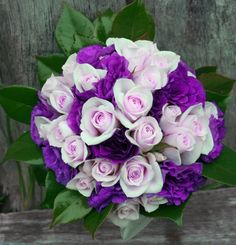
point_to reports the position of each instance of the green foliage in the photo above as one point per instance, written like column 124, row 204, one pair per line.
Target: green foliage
column 48, row 65
column 25, row 150
column 174, row 213
column 223, row 169
column 94, row 219
column 134, row 22
column 52, row 190
column 103, row 25
column 69, row 206
column 205, row 69
column 18, row 102
column 40, row 173
column 70, row 23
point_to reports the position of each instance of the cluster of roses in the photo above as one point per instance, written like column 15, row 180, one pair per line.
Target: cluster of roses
column 127, row 124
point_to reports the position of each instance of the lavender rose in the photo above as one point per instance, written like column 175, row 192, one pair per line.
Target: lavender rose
column 141, row 175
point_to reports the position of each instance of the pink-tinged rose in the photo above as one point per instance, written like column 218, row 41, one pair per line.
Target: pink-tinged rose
column 58, row 130
column 105, row 172
column 98, row 122
column 189, row 132
column 133, row 101
column 74, row 151
column 151, row 78
column 85, row 76
column 68, row 69
column 137, row 53
column 151, row 203
column 42, row 124
column 61, row 100
column 166, row 61
column 83, row 181
column 125, row 212
column 141, row 175
column 145, row 133
column 57, row 94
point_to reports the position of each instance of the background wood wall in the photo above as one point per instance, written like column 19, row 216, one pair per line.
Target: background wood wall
column 203, row 32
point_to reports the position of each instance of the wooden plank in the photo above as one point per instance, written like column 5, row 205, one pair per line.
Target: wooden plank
column 210, row 218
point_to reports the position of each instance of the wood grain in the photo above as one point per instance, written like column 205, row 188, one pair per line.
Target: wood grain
column 210, row 218
column 203, row 32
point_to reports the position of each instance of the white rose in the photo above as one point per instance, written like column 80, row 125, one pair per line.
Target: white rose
column 133, row 101
column 68, row 69
column 74, row 151
column 98, row 122
column 152, row 203
column 141, row 175
column 145, row 133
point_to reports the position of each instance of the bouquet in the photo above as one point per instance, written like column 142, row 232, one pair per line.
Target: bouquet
column 126, row 131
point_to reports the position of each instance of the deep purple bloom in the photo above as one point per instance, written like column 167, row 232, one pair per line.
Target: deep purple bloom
column 217, row 127
column 182, row 90
column 118, row 148
column 41, row 109
column 52, row 158
column 180, row 181
column 93, row 54
column 103, row 196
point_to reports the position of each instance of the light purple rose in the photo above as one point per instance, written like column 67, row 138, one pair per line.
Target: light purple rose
column 141, row 175
column 133, row 101
column 98, row 122
column 86, row 76
column 57, row 131
column 106, row 172
column 145, row 133
column 58, row 94
column 83, row 182
column 188, row 132
column 74, row 151
column 152, row 203
column 125, row 212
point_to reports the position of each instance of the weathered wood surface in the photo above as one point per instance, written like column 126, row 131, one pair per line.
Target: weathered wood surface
column 210, row 218
column 202, row 31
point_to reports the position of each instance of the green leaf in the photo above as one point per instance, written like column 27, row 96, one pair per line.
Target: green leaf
column 205, row 69
column 48, row 65
column 174, row 213
column 40, row 174
column 133, row 22
column 52, row 190
column 94, row 219
column 25, row 150
column 103, row 25
column 69, row 206
column 18, row 102
column 134, row 227
column 223, row 169
column 80, row 42
column 70, row 23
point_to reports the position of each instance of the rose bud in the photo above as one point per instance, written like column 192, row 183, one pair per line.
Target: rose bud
column 151, row 203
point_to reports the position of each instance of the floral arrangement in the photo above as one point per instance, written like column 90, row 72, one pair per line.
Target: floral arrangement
column 125, row 130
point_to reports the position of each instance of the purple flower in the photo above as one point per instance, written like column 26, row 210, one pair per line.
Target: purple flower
column 118, row 148
column 182, row 90
column 117, row 67
column 52, row 158
column 217, row 127
column 41, row 109
column 180, row 181
column 103, row 196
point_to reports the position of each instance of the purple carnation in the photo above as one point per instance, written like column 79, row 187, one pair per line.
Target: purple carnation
column 118, row 148
column 52, row 158
column 106, row 195
column 217, row 127
column 44, row 110
column 180, row 181
column 181, row 90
